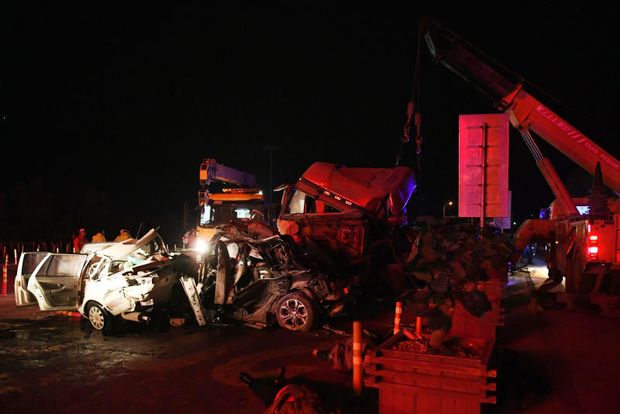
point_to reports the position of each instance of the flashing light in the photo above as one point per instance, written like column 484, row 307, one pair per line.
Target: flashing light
column 593, row 250
column 594, row 238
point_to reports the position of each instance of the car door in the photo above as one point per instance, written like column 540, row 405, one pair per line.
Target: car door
column 54, row 282
column 28, row 262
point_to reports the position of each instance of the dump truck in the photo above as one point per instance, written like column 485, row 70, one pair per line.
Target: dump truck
column 347, row 216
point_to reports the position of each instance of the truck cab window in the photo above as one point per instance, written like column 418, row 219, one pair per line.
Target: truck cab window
column 242, row 213
column 297, row 203
column 206, row 215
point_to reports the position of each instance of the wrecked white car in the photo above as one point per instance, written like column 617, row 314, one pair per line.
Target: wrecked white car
column 124, row 280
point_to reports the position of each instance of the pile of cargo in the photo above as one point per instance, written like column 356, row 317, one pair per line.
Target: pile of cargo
column 421, row 346
column 459, row 273
column 411, row 378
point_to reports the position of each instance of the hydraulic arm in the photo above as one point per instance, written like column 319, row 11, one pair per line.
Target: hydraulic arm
column 526, row 112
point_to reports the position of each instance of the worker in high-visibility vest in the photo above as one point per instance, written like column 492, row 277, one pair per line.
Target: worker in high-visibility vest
column 99, row 237
column 123, row 235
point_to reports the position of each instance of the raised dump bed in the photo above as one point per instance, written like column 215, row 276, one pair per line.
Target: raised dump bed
column 414, row 381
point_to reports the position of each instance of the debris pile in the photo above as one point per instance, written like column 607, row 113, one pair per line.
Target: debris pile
column 421, row 346
column 452, row 261
column 457, row 276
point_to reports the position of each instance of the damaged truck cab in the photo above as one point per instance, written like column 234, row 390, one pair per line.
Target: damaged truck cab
column 342, row 213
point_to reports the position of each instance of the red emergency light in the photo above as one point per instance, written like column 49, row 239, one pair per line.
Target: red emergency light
column 593, row 247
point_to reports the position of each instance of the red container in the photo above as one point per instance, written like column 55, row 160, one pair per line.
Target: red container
column 422, row 383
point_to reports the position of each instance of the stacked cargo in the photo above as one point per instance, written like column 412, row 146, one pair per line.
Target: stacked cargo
column 444, row 366
column 467, row 266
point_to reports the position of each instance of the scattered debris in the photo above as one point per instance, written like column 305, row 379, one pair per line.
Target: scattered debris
column 283, row 396
column 177, row 322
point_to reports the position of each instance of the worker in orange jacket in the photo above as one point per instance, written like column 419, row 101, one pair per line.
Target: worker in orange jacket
column 99, row 237
column 80, row 240
column 123, row 235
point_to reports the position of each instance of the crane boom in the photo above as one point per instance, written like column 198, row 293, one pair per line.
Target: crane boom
column 585, row 249
column 526, row 112
column 211, row 170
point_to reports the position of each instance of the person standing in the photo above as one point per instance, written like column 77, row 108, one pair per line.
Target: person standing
column 123, row 235
column 99, row 237
column 80, row 240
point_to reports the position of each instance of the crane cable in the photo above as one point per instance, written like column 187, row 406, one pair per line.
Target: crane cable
column 413, row 115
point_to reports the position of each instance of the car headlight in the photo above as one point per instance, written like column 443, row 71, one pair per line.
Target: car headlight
column 201, row 246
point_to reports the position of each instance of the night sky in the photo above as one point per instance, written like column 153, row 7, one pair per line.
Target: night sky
column 106, row 113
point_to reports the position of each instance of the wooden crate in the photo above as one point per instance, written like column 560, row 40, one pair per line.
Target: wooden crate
column 410, row 382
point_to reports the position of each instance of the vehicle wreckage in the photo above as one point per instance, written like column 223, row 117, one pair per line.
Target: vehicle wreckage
column 260, row 281
column 104, row 282
column 257, row 281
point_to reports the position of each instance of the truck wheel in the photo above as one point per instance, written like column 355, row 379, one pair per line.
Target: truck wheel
column 99, row 318
column 296, row 312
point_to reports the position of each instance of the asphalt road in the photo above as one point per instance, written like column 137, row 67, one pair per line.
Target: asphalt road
column 552, row 361
column 55, row 363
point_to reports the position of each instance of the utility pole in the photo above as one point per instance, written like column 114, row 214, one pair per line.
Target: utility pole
column 271, row 149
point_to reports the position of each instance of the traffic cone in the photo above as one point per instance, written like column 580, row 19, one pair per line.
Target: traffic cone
column 357, row 357
column 5, row 276
column 398, row 311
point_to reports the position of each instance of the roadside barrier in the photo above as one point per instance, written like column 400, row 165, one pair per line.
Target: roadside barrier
column 397, row 312
column 5, row 276
column 357, row 357
column 13, row 250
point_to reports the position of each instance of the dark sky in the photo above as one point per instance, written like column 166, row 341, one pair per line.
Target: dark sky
column 127, row 102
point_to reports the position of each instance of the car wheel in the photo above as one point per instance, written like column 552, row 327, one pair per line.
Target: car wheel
column 296, row 312
column 99, row 318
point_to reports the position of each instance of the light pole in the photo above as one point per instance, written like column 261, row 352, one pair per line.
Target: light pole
column 271, row 149
column 449, row 203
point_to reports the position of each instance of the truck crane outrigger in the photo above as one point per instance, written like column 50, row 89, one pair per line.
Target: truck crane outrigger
column 586, row 247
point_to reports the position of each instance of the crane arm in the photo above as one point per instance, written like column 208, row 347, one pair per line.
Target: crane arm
column 525, row 111
column 211, row 171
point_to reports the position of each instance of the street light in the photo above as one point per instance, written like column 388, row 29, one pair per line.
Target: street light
column 449, row 203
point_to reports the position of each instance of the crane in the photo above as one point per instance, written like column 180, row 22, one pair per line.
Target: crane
column 586, row 248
